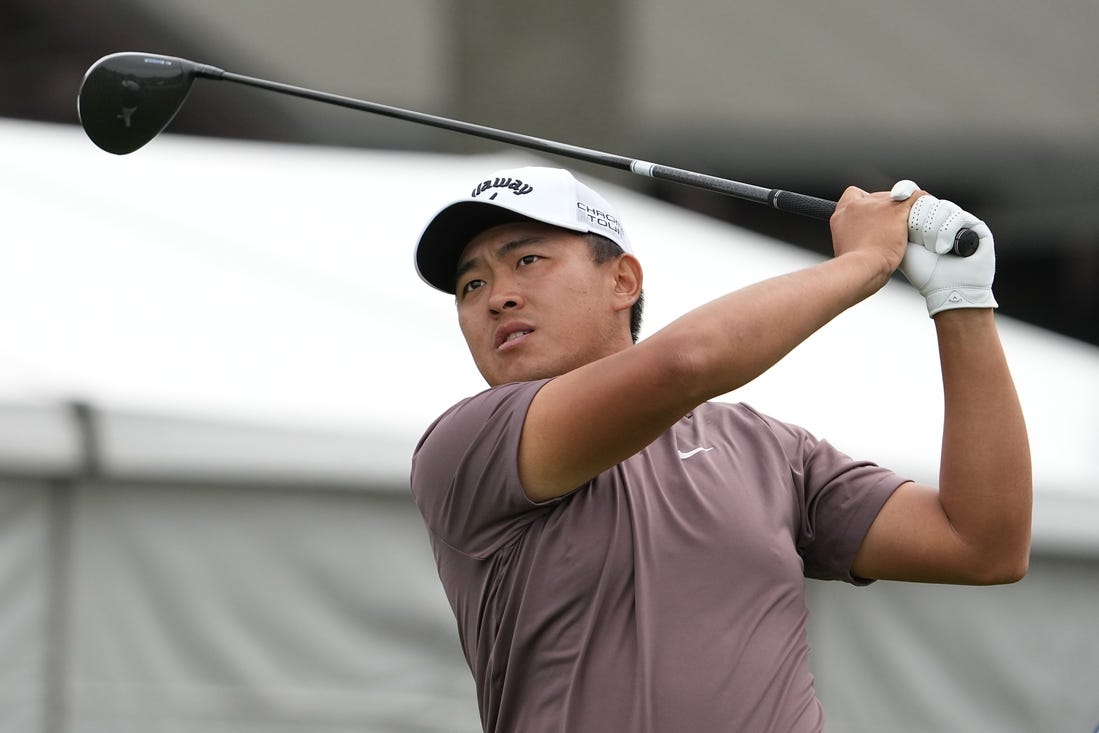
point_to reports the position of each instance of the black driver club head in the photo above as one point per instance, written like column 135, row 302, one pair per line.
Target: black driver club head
column 126, row 99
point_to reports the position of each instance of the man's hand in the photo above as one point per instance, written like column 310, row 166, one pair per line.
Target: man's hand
column 946, row 281
column 872, row 226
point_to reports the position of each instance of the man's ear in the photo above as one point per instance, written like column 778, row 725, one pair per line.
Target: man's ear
column 628, row 280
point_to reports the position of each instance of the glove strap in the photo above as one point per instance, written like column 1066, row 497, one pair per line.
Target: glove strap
column 959, row 297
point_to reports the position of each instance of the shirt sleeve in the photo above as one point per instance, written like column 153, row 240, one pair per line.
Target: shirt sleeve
column 842, row 499
column 465, row 471
column 838, row 498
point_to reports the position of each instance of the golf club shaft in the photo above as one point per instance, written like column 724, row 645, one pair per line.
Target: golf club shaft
column 787, row 201
column 965, row 242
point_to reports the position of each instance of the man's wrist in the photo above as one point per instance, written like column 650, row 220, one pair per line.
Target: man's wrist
column 964, row 318
column 869, row 271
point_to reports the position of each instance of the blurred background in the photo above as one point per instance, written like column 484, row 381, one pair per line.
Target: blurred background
column 215, row 360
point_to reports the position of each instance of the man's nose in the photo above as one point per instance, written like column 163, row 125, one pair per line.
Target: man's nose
column 505, row 295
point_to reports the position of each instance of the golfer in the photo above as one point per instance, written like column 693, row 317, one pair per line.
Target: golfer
column 623, row 554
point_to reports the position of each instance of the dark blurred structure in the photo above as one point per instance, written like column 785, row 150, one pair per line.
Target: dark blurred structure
column 1037, row 194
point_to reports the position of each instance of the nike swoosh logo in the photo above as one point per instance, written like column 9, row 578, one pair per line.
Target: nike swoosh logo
column 685, row 455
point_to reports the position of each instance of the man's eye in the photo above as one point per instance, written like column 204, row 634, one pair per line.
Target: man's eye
column 528, row 259
column 472, row 285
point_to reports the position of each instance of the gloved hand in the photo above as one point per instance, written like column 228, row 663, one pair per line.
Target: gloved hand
column 945, row 280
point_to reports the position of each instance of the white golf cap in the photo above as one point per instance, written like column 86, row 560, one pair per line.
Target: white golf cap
column 549, row 195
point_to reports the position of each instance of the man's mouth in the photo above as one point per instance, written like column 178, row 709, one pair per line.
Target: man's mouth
column 512, row 336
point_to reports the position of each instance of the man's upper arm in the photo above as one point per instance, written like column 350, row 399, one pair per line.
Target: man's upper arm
column 590, row 419
column 912, row 539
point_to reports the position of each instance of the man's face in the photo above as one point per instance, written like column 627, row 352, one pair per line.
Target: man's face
column 532, row 303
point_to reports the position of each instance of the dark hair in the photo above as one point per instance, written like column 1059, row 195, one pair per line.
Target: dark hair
column 602, row 250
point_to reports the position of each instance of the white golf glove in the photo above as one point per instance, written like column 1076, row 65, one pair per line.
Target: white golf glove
column 946, row 280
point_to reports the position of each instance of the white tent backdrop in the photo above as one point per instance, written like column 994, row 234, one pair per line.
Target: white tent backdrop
column 215, row 359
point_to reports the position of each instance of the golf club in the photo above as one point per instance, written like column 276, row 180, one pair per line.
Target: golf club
column 126, row 99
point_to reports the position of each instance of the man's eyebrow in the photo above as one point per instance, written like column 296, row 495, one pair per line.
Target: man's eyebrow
column 503, row 249
column 465, row 267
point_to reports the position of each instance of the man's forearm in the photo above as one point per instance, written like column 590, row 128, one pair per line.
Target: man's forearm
column 734, row 339
column 985, row 471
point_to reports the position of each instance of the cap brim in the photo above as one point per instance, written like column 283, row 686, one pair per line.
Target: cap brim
column 447, row 235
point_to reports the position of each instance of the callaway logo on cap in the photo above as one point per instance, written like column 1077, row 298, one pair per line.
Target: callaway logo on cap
column 549, row 195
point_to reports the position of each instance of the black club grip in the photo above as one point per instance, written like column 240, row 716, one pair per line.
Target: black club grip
column 799, row 203
column 965, row 242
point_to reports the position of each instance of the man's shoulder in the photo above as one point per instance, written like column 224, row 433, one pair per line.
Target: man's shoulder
column 464, row 475
column 469, row 414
